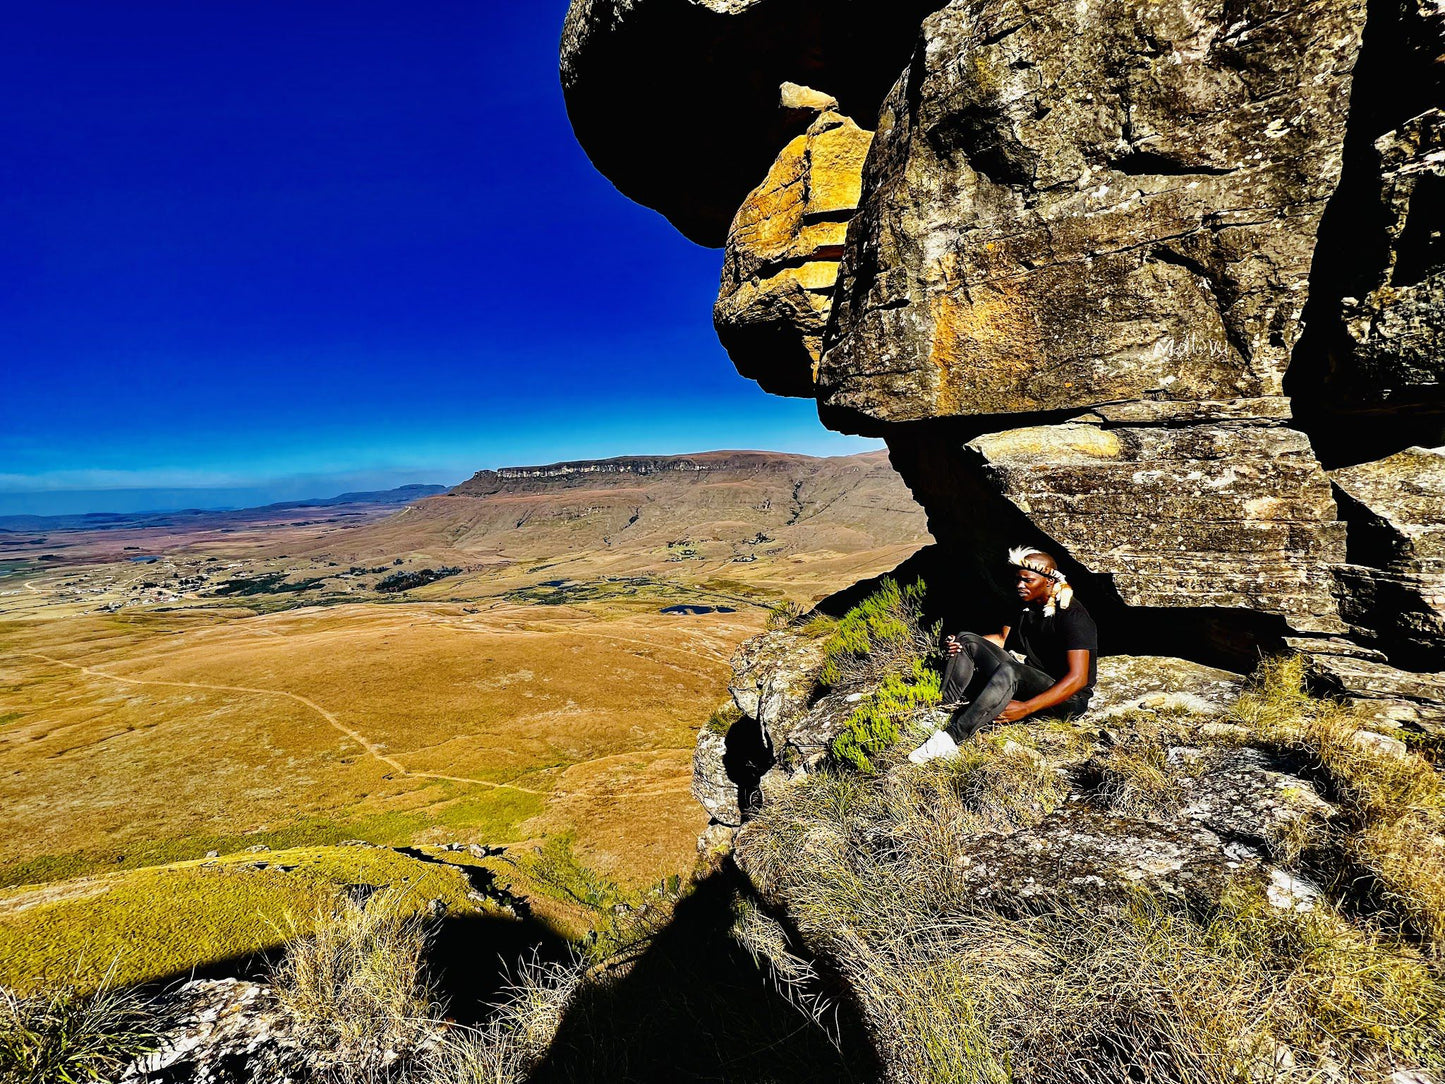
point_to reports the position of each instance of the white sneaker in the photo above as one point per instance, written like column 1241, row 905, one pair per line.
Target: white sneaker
column 940, row 745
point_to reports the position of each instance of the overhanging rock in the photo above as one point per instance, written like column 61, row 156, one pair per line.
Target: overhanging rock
column 676, row 101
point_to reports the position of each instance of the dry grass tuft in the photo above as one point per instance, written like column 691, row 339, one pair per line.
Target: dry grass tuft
column 357, row 984
column 1395, row 805
column 515, row 1038
column 786, row 614
column 63, row 1036
column 1138, row 777
column 955, row 990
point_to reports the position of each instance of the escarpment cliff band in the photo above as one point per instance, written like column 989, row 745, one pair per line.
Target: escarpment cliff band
column 1157, row 288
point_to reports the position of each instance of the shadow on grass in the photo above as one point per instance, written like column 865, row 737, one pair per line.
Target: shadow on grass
column 696, row 1007
column 472, row 959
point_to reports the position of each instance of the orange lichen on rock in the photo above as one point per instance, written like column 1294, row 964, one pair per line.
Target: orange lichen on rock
column 782, row 255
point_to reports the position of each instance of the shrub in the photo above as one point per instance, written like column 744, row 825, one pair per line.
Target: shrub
column 405, row 581
column 882, row 634
column 60, row 1036
column 873, row 727
column 357, row 983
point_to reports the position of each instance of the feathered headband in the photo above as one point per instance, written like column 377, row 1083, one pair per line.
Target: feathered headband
column 1060, row 593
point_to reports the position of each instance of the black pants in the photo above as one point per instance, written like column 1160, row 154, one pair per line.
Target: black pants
column 989, row 677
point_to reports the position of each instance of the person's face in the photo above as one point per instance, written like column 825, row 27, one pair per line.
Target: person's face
column 1031, row 587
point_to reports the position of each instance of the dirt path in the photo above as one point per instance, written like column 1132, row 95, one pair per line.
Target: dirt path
column 372, row 749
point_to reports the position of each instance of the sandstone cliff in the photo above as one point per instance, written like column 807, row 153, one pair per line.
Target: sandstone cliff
column 1156, row 288
column 1160, row 289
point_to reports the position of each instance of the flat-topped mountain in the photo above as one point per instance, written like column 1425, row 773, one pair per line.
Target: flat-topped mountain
column 707, row 514
column 701, row 463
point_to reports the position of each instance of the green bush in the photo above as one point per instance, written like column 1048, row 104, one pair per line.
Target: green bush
column 882, row 634
column 873, row 726
column 881, row 643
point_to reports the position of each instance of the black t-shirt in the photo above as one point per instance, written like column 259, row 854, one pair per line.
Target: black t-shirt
column 1046, row 641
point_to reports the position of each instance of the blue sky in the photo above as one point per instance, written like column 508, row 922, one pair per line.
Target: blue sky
column 330, row 245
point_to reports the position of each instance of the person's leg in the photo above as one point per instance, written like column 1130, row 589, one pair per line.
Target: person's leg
column 959, row 671
column 996, row 676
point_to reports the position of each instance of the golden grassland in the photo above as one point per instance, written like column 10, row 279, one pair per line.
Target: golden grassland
column 489, row 708
column 133, row 742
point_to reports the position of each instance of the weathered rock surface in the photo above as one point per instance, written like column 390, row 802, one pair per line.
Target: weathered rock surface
column 1402, row 523
column 1397, row 330
column 228, row 1031
column 1069, row 205
column 676, row 101
column 1202, row 516
column 1392, row 591
column 781, row 259
column 1376, row 358
column 1079, row 856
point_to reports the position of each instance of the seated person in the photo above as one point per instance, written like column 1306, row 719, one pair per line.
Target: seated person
column 1049, row 657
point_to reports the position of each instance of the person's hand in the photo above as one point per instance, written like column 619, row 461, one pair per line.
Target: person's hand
column 1013, row 711
column 953, row 646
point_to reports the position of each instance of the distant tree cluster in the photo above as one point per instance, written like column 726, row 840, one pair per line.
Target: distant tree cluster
column 405, row 581
column 267, row 583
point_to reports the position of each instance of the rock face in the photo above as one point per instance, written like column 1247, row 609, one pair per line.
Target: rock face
column 1125, row 501
column 1070, row 205
column 1394, row 589
column 676, row 101
column 1151, row 287
column 1396, row 332
column 781, row 259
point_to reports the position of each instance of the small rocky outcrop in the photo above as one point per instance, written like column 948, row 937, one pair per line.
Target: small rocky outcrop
column 1030, row 909
column 788, row 720
column 781, row 259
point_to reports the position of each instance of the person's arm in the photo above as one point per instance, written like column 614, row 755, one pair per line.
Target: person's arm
column 998, row 637
column 1061, row 690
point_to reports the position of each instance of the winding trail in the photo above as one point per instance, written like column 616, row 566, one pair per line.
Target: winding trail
column 374, row 750
column 360, row 739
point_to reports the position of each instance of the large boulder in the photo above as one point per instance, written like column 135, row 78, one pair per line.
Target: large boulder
column 1072, row 204
column 1197, row 516
column 1122, row 281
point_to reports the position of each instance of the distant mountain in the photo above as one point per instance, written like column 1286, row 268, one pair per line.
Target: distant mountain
column 100, row 521
column 685, row 514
